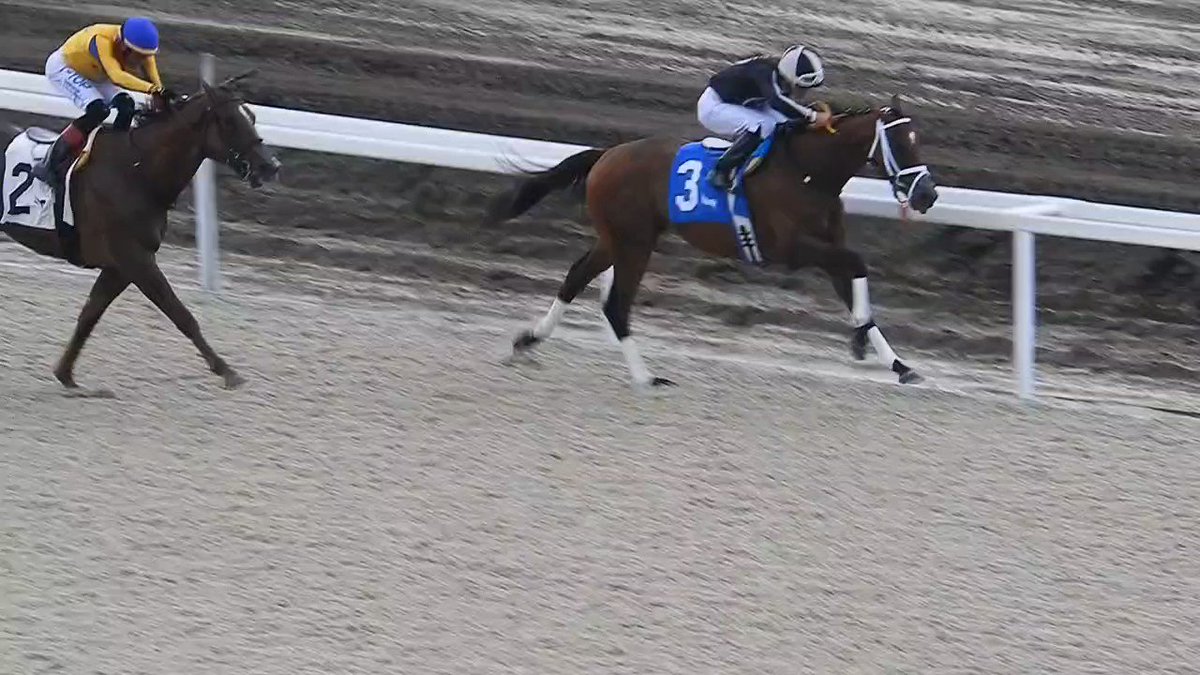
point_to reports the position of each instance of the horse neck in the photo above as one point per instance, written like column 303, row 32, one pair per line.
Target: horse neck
column 832, row 160
column 171, row 151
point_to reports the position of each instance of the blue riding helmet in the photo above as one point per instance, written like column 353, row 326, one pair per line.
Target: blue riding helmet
column 139, row 34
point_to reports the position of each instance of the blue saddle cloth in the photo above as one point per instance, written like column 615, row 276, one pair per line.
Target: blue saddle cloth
column 693, row 199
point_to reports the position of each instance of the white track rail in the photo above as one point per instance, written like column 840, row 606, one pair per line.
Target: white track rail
column 1024, row 215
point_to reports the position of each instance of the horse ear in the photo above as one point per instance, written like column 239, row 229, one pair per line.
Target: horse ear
column 238, row 78
column 896, row 102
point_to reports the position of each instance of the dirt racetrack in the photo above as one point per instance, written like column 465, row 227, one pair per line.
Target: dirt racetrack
column 384, row 497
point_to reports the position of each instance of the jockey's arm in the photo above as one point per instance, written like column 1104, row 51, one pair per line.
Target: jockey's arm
column 151, row 64
column 117, row 73
column 779, row 100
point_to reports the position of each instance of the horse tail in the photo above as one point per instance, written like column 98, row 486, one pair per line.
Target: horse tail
column 569, row 173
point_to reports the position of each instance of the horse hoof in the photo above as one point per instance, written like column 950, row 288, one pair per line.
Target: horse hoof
column 80, row 392
column 233, row 380
column 655, row 383
column 525, row 340
column 911, row 377
column 66, row 379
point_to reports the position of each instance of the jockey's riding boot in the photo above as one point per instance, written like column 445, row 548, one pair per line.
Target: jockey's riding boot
column 60, row 153
column 68, row 144
column 52, row 170
column 735, row 155
column 126, row 108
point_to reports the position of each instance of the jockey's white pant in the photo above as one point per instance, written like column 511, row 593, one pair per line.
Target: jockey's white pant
column 728, row 119
column 76, row 87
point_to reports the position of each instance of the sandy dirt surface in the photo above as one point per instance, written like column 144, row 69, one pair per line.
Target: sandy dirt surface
column 385, row 496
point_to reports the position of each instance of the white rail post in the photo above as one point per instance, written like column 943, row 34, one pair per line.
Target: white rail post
column 205, row 187
column 1024, row 302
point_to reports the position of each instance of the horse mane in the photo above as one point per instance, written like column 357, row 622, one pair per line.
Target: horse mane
column 150, row 116
column 854, row 111
column 147, row 117
column 855, row 107
column 847, row 106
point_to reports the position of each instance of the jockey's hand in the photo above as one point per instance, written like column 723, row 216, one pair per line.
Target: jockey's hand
column 168, row 95
column 822, row 120
column 162, row 99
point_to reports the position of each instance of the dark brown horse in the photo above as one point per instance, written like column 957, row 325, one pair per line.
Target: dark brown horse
column 795, row 206
column 120, row 201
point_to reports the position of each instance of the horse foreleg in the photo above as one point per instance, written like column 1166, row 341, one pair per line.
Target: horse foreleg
column 107, row 287
column 150, row 280
column 582, row 272
column 842, row 275
column 866, row 329
column 628, row 269
column 844, row 288
column 848, row 271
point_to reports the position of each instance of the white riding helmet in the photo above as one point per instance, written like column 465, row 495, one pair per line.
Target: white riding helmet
column 801, row 66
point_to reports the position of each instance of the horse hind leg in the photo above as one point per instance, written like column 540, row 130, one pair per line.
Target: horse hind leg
column 628, row 269
column 582, row 272
column 107, row 287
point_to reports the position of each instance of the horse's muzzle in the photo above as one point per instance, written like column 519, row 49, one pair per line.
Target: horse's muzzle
column 924, row 195
column 263, row 170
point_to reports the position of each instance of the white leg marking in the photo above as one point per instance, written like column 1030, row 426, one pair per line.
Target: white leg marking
column 606, row 284
column 548, row 323
column 862, row 316
column 862, row 302
column 638, row 371
column 883, row 351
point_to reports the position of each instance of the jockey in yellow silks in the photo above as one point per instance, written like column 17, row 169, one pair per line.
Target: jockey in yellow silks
column 95, row 68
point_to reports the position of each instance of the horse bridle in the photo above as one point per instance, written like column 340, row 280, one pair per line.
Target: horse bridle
column 895, row 173
column 234, row 159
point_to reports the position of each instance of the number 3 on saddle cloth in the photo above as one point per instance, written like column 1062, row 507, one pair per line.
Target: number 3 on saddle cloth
column 692, row 199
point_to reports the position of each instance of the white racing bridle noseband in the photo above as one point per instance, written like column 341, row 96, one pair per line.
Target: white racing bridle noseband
column 891, row 167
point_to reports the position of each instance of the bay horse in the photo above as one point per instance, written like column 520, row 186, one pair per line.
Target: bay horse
column 120, row 201
column 795, row 204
